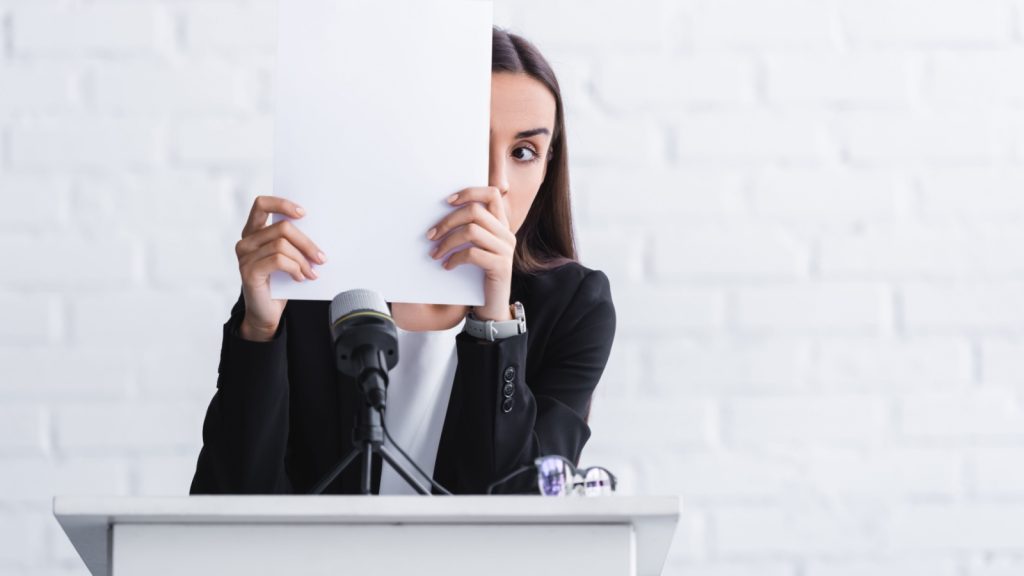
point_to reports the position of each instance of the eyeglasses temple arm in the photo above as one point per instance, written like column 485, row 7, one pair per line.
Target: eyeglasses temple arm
column 517, row 472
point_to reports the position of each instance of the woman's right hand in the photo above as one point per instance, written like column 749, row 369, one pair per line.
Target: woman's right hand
column 264, row 249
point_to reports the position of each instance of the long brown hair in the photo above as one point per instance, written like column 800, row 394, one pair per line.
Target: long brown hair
column 545, row 240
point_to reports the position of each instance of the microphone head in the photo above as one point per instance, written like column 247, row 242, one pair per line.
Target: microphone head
column 363, row 333
column 358, row 300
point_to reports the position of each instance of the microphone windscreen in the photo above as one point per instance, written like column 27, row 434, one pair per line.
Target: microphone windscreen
column 355, row 300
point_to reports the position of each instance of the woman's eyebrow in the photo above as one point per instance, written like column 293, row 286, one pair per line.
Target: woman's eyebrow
column 535, row 131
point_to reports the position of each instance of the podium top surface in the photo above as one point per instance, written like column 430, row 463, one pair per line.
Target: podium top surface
column 87, row 520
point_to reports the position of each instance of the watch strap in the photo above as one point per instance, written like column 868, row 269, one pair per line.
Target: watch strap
column 491, row 330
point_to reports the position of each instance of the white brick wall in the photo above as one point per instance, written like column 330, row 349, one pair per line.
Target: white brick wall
column 810, row 212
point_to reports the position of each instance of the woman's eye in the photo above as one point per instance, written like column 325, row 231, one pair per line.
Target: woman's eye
column 531, row 155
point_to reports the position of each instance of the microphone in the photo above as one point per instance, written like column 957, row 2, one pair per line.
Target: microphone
column 365, row 341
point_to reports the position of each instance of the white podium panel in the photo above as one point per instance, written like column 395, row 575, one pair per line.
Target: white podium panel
column 385, row 535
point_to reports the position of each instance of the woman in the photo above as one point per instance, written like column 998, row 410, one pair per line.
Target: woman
column 467, row 408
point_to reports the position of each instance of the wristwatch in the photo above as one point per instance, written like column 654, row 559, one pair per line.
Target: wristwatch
column 490, row 330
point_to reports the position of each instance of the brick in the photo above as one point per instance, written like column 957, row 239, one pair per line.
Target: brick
column 957, row 527
column 847, row 419
column 657, row 194
column 92, row 28
column 159, row 203
column 723, row 476
column 71, row 261
column 884, row 567
column 30, row 318
column 751, row 135
column 997, row 564
column 659, row 309
column 886, row 473
column 898, row 138
column 123, row 317
column 973, row 305
column 230, row 27
column 617, row 252
column 911, row 251
column 1002, row 361
column 663, row 426
column 85, row 143
column 682, row 367
column 762, row 531
column 975, row 77
column 178, row 88
column 829, row 78
column 925, row 23
column 981, row 413
column 995, row 192
column 38, row 88
column 195, row 260
column 656, row 81
column 22, row 537
column 40, row 479
column 998, row 471
column 821, row 308
column 741, row 250
column 33, row 202
column 105, row 429
column 55, row 374
column 23, row 429
column 596, row 139
column 883, row 365
column 733, row 568
column 827, row 195
column 793, row 24
column 646, row 25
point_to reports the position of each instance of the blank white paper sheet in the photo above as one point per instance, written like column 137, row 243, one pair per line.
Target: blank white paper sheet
column 382, row 110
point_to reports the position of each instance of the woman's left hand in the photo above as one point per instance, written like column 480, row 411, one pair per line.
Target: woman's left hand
column 482, row 222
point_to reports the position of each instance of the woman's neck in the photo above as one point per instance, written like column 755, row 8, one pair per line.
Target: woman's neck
column 423, row 317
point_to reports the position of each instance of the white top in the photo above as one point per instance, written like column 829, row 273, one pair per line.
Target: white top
column 419, row 387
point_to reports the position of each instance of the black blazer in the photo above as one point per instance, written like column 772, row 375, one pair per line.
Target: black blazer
column 282, row 417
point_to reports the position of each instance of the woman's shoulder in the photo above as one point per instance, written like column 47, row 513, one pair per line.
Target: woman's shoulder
column 570, row 273
column 568, row 283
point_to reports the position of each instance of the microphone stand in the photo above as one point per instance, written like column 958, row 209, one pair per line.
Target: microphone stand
column 368, row 435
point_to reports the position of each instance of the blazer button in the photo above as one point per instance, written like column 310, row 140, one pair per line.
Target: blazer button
column 506, row 406
column 510, row 373
column 508, row 390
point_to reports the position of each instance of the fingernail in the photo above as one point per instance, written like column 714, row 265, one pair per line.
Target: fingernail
column 453, row 197
column 322, row 257
column 300, row 210
column 313, row 272
column 431, row 233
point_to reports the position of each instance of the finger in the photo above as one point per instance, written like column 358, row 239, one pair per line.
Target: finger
column 473, row 212
column 472, row 255
column 490, row 196
column 264, row 206
column 472, row 233
column 285, row 229
column 262, row 268
column 284, row 246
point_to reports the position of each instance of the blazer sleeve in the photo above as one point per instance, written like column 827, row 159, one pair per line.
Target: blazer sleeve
column 502, row 422
column 245, row 434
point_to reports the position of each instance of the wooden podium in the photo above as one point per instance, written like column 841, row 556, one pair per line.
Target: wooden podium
column 380, row 535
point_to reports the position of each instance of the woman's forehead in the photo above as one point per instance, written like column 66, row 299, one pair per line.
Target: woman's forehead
column 520, row 102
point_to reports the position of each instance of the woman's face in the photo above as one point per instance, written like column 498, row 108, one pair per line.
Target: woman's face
column 522, row 120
